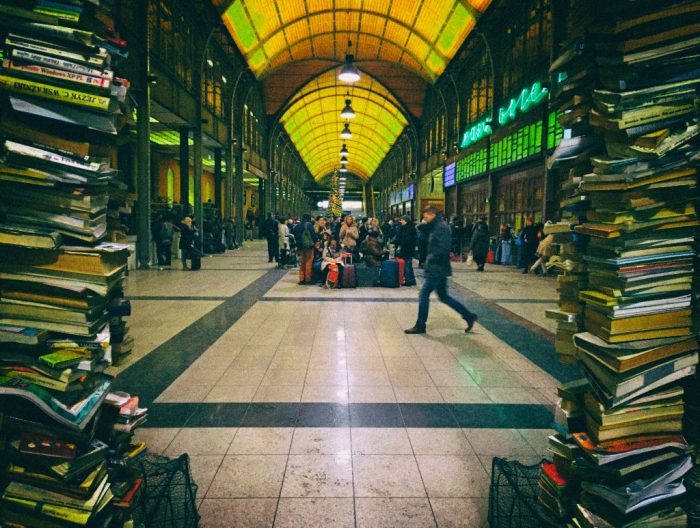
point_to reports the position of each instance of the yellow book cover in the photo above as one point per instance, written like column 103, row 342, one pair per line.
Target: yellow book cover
column 55, row 93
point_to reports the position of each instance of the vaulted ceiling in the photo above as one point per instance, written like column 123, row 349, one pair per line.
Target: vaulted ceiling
column 294, row 47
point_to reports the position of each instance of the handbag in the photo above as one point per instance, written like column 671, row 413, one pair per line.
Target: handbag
column 307, row 241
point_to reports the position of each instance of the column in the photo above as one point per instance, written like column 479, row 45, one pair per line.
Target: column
column 185, row 167
column 217, row 179
column 228, row 187
column 143, row 150
column 239, row 187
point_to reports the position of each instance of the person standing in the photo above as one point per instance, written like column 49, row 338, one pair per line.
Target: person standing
column 530, row 243
column 406, row 248
column 306, row 242
column 283, row 241
column 187, row 238
column 423, row 235
column 230, row 233
column 480, row 244
column 437, row 269
column 271, row 233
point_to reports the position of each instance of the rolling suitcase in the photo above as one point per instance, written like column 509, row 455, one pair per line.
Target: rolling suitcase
column 317, row 272
column 196, row 262
column 389, row 274
column 348, row 277
column 402, row 268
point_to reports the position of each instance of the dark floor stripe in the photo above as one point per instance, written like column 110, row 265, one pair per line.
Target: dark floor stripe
column 153, row 373
column 342, row 299
column 376, row 415
column 175, row 298
column 527, row 338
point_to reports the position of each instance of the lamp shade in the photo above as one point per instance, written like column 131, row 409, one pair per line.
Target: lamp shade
column 344, row 160
column 343, row 169
column 349, row 73
column 346, row 133
column 344, row 150
column 347, row 112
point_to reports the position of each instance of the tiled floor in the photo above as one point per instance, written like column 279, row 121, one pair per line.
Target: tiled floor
column 301, row 406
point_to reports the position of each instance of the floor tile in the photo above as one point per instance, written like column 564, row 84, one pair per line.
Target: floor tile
column 249, row 476
column 509, row 395
column 325, row 393
column 380, row 441
column 284, row 377
column 410, row 378
column 427, row 415
column 393, row 513
column 203, row 468
column 218, row 415
column 271, row 415
column 366, row 377
column 429, row 441
column 371, row 394
column 236, row 393
column 157, row 439
column 387, row 476
column 463, row 395
column 460, row 513
column 325, row 377
column 375, row 415
column 261, row 441
column 237, row 513
column 418, row 395
column 452, row 378
column 191, row 441
column 324, row 414
column 498, row 442
column 453, row 476
column 278, row 393
column 497, row 378
column 318, row 476
column 321, row 441
column 183, row 392
column 315, row 513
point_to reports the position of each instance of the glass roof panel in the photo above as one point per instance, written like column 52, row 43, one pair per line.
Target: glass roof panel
column 312, row 121
column 430, row 31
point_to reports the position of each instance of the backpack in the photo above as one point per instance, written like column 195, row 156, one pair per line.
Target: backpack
column 307, row 241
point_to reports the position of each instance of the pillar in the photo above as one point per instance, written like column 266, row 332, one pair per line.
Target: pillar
column 185, row 167
column 239, row 188
column 217, row 179
column 143, row 150
column 228, row 187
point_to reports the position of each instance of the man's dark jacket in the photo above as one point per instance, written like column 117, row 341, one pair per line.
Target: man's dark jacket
column 437, row 265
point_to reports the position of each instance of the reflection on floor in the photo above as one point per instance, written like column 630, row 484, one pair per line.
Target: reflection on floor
column 301, row 406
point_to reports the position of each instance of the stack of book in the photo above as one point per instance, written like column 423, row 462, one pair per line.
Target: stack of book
column 61, row 283
column 639, row 347
column 555, row 492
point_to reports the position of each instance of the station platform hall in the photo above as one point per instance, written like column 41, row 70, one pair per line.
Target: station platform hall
column 301, row 405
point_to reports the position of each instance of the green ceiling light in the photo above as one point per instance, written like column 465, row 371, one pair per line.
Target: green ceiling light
column 347, row 112
column 349, row 73
column 344, row 151
column 346, row 133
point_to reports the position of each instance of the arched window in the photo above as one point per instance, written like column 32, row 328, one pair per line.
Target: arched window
column 171, row 185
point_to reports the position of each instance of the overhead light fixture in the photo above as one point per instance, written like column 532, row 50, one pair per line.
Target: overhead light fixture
column 344, row 151
column 344, row 160
column 343, row 169
column 223, row 78
column 349, row 73
column 348, row 112
column 210, row 63
column 346, row 134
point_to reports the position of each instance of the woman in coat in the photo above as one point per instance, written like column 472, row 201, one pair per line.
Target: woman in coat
column 349, row 234
column 480, row 245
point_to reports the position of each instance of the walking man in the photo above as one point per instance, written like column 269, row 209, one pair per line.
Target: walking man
column 437, row 269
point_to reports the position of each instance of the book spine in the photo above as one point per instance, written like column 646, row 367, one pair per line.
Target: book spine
column 62, row 75
column 54, row 93
column 50, row 510
column 60, row 64
column 64, row 54
column 34, row 152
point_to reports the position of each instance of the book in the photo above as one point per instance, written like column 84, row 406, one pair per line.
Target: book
column 623, row 357
column 35, row 72
column 75, row 417
column 54, row 92
column 74, row 116
column 22, row 335
column 641, row 116
column 670, row 319
column 61, row 359
column 28, row 236
column 103, row 259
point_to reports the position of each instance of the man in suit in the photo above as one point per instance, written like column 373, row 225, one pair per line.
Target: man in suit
column 437, row 269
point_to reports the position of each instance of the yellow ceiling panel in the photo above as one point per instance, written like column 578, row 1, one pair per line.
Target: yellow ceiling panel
column 431, row 30
column 312, row 121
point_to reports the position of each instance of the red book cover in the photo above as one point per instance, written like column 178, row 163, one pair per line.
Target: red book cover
column 550, row 470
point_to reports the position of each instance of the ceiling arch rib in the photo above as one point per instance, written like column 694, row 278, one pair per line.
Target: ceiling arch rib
column 422, row 36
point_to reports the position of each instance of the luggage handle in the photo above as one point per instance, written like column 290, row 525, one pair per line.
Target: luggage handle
column 347, row 257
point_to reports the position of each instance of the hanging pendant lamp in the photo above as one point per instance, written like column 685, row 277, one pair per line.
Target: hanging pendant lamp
column 348, row 112
column 344, row 150
column 349, row 73
column 346, row 133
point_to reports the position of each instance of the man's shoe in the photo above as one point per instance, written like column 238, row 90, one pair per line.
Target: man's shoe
column 301, row 283
column 415, row 330
column 470, row 322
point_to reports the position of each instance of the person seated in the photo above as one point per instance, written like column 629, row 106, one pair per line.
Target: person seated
column 332, row 264
column 372, row 249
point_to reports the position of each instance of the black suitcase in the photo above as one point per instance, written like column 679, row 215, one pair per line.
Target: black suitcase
column 196, row 262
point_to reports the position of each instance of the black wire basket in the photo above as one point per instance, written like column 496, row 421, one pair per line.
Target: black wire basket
column 169, row 495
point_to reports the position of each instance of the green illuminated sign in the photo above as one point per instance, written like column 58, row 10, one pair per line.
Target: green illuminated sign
column 528, row 98
column 477, row 132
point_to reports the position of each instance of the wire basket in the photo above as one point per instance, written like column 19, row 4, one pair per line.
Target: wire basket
column 513, row 495
column 169, row 497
